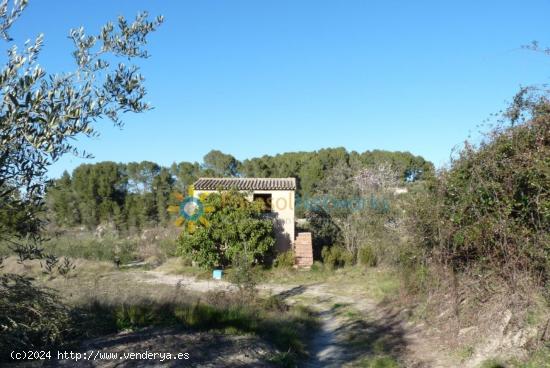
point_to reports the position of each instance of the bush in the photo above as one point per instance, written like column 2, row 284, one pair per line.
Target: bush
column 244, row 276
column 367, row 256
column 30, row 317
column 492, row 207
column 232, row 226
column 285, row 259
column 336, row 256
column 168, row 247
column 326, row 232
column 316, row 267
column 380, row 362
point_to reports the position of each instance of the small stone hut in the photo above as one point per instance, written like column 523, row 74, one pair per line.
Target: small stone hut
column 276, row 193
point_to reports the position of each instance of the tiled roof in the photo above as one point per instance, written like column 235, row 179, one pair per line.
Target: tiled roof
column 245, row 184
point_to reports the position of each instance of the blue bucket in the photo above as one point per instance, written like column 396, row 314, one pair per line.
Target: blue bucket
column 217, row 274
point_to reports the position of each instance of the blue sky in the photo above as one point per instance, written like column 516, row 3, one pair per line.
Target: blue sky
column 265, row 77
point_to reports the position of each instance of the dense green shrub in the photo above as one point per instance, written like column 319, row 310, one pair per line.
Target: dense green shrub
column 414, row 273
column 325, row 231
column 285, row 259
column 336, row 256
column 317, row 266
column 232, row 226
column 367, row 256
column 492, row 207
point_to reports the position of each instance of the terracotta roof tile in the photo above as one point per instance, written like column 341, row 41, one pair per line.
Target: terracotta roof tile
column 245, row 184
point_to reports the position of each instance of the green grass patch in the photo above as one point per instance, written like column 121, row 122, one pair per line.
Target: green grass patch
column 465, row 353
column 378, row 362
column 284, row 359
column 377, row 282
column 539, row 359
column 85, row 245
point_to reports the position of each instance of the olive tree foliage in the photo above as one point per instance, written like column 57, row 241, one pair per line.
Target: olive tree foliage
column 41, row 113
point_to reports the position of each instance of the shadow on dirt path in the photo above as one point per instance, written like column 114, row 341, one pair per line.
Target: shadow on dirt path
column 346, row 337
column 203, row 349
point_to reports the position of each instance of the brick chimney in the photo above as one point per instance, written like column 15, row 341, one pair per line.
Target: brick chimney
column 303, row 250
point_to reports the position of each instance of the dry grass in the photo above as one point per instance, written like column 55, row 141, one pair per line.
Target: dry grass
column 379, row 283
column 94, row 280
column 152, row 245
column 105, row 300
column 179, row 266
column 472, row 317
column 374, row 283
column 466, row 316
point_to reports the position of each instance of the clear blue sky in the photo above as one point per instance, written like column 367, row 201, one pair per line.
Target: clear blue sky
column 265, row 77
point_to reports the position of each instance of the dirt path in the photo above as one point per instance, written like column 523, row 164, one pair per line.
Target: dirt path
column 338, row 315
column 204, row 349
column 326, row 351
column 355, row 328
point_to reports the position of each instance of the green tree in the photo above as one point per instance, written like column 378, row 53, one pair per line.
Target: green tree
column 131, row 195
column 257, row 167
column 162, row 188
column 100, row 191
column 141, row 176
column 62, row 201
column 356, row 209
column 234, row 227
column 186, row 173
column 310, row 175
column 220, row 164
column 311, row 167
